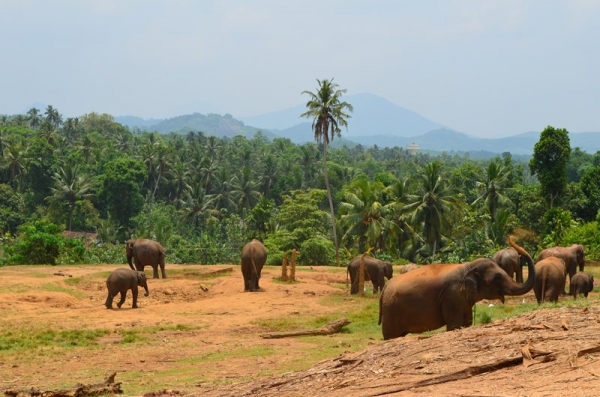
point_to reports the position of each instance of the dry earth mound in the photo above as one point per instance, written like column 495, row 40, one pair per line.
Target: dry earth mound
column 548, row 352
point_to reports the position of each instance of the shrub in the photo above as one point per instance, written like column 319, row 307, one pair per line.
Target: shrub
column 37, row 243
column 317, row 251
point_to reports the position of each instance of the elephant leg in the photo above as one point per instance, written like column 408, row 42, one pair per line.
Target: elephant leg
column 253, row 283
column 123, row 296
column 109, row 300
column 154, row 271
column 519, row 274
column 453, row 316
column 162, row 270
column 134, row 292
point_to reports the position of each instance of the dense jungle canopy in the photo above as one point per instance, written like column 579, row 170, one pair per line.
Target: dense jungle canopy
column 204, row 196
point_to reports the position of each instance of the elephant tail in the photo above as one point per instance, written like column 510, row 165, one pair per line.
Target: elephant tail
column 544, row 279
column 381, row 303
column 252, row 252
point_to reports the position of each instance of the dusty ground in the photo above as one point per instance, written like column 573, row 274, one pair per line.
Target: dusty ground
column 543, row 353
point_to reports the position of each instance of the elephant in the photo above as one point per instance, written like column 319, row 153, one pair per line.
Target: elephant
column 581, row 283
column 510, row 261
column 573, row 256
column 121, row 280
column 254, row 256
column 146, row 252
column 432, row 296
column 375, row 270
column 550, row 279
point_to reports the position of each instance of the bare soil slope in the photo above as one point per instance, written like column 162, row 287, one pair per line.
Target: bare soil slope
column 543, row 353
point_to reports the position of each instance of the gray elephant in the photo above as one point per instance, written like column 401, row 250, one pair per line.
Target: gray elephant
column 574, row 256
column 432, row 296
column 254, row 257
column 581, row 284
column 550, row 279
column 510, row 261
column 375, row 270
column 146, row 252
column 122, row 280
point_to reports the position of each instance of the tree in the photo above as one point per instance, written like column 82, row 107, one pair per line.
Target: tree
column 70, row 186
column 433, row 208
column 121, row 192
column 34, row 118
column 549, row 162
column 365, row 214
column 492, row 189
column 329, row 114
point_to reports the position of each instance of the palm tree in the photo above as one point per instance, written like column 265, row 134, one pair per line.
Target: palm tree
column 328, row 114
column 492, row 188
column 35, row 118
column 365, row 214
column 245, row 190
column 433, row 208
column 14, row 159
column 70, row 186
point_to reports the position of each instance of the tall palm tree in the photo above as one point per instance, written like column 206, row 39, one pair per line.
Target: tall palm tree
column 433, row 208
column 492, row 189
column 329, row 114
column 14, row 159
column 245, row 190
column 35, row 118
column 70, row 186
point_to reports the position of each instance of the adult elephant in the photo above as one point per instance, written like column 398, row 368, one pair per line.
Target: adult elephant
column 146, row 252
column 254, row 256
column 574, row 256
column 432, row 296
column 123, row 280
column 550, row 279
column 581, row 284
column 375, row 270
column 510, row 261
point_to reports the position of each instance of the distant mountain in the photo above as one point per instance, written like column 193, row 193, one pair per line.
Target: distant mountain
column 211, row 124
column 373, row 115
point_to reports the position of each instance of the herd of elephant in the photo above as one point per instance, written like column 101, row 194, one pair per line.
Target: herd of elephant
column 421, row 298
column 428, row 297
column 145, row 252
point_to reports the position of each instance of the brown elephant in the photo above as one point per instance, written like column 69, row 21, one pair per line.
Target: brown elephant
column 146, row 252
column 254, row 256
column 375, row 270
column 122, row 280
column 581, row 283
column 432, row 296
column 574, row 256
column 510, row 261
column 550, row 279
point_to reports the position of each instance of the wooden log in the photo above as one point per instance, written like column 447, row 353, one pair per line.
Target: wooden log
column 328, row 329
column 284, row 276
column 108, row 387
column 293, row 265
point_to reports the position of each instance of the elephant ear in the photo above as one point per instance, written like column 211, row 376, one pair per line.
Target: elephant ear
column 470, row 280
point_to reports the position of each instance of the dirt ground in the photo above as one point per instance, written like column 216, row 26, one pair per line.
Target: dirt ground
column 548, row 352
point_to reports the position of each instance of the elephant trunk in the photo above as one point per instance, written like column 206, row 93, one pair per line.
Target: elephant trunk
column 513, row 288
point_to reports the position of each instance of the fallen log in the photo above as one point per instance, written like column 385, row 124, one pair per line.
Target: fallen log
column 107, row 387
column 328, row 329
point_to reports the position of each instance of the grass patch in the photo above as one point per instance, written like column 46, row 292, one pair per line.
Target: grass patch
column 51, row 287
column 29, row 340
column 73, row 281
column 15, row 289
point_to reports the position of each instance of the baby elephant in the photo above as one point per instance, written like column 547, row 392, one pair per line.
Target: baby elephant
column 581, row 283
column 121, row 280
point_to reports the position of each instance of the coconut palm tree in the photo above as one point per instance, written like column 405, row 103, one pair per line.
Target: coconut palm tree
column 71, row 186
column 365, row 214
column 491, row 190
column 35, row 118
column 329, row 115
column 433, row 208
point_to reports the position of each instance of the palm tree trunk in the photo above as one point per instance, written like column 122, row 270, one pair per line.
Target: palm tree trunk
column 335, row 240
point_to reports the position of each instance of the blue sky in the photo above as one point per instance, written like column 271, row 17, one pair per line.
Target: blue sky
column 486, row 68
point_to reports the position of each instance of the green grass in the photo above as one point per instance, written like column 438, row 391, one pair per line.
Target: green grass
column 15, row 289
column 22, row 340
column 51, row 287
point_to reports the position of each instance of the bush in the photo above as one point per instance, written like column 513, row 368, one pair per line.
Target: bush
column 37, row 243
column 317, row 251
column 587, row 235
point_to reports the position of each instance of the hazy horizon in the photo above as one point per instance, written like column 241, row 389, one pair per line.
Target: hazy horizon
column 488, row 69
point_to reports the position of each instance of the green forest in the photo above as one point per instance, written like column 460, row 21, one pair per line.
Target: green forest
column 203, row 197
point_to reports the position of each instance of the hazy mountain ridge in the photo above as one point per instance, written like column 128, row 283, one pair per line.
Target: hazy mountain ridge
column 375, row 121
